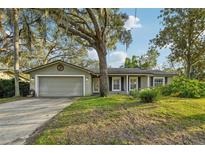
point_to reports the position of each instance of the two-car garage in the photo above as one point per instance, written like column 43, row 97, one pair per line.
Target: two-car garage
column 60, row 86
column 60, row 79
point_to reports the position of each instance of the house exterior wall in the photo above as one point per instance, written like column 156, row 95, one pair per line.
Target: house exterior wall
column 143, row 82
column 68, row 70
column 72, row 70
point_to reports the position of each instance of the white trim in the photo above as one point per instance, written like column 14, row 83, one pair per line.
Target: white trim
column 113, row 78
column 37, row 81
column 127, row 90
column 148, row 81
column 130, row 82
column 98, row 86
column 36, row 86
column 56, row 62
column 131, row 74
column 163, row 78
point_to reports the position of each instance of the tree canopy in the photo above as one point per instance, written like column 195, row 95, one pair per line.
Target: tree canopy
column 49, row 34
column 146, row 61
column 183, row 33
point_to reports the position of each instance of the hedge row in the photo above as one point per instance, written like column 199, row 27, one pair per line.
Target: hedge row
column 7, row 88
column 183, row 87
column 179, row 87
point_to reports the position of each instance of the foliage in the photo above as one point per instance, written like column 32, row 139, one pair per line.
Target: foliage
column 134, row 93
column 67, row 34
column 183, row 87
column 202, row 88
column 183, row 34
column 7, row 88
column 146, row 61
column 98, row 29
column 148, row 95
column 42, row 40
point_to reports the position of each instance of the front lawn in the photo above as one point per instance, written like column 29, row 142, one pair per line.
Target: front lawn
column 10, row 99
column 120, row 119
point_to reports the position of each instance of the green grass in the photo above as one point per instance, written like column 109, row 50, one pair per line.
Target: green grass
column 120, row 119
column 10, row 99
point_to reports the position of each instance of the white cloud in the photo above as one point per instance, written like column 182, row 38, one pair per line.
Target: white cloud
column 116, row 58
column 132, row 22
column 92, row 54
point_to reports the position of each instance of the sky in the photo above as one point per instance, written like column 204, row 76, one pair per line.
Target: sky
column 143, row 28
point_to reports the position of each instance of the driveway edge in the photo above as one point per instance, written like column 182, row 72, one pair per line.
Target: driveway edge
column 36, row 133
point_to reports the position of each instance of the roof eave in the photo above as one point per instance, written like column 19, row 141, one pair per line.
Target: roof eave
column 55, row 62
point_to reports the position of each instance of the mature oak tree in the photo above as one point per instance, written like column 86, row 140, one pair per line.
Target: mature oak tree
column 37, row 36
column 94, row 28
column 28, row 38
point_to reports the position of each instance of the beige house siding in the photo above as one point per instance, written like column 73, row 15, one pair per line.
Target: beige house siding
column 68, row 70
column 72, row 71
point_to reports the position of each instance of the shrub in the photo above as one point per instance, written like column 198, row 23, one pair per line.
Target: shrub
column 148, row 95
column 166, row 90
column 7, row 88
column 202, row 88
column 183, row 87
column 134, row 93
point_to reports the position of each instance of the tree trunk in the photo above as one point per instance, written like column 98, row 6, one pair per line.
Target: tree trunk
column 101, row 50
column 16, row 50
column 188, row 70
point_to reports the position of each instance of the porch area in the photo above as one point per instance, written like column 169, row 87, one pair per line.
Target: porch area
column 122, row 84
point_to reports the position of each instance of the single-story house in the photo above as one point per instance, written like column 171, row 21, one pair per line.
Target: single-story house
column 61, row 79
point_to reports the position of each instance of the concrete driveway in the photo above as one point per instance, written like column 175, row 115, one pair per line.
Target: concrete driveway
column 20, row 118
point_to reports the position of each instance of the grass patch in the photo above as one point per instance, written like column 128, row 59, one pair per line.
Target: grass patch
column 121, row 119
column 10, row 99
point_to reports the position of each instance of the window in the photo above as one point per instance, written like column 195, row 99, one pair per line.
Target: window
column 96, row 85
column 116, row 83
column 158, row 81
column 133, row 83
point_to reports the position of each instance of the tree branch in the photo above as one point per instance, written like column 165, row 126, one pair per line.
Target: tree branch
column 77, row 33
column 83, row 21
column 105, row 22
column 94, row 20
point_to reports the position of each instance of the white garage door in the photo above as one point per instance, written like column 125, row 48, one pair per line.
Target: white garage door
column 60, row 86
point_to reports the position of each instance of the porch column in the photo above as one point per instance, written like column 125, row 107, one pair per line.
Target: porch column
column 127, row 90
column 148, row 81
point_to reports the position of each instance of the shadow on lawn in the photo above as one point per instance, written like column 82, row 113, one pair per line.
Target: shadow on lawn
column 131, row 130
column 126, row 123
column 102, row 112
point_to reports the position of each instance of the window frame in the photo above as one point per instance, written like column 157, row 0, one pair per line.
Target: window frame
column 130, row 83
column 116, row 78
column 163, row 80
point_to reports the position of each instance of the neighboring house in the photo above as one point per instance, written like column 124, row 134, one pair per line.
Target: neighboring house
column 6, row 74
column 61, row 79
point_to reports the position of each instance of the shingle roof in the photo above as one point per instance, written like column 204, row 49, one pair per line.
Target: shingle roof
column 136, row 71
column 110, row 70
